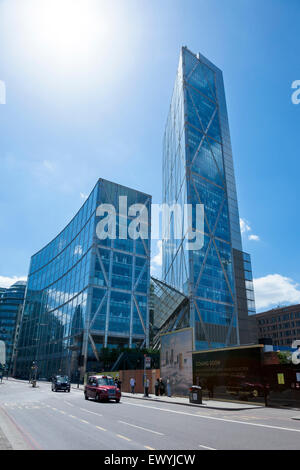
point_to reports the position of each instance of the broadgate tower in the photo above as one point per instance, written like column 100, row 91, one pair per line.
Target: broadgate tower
column 198, row 169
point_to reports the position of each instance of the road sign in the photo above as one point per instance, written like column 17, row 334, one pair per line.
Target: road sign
column 147, row 362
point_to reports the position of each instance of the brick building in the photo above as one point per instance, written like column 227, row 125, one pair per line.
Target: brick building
column 282, row 325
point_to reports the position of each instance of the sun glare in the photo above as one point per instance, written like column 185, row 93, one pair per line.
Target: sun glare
column 68, row 31
column 70, row 46
column 70, row 26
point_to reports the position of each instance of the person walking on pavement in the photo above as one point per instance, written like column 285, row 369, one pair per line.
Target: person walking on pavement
column 1, row 375
column 132, row 384
column 156, row 387
column 161, row 387
column 119, row 383
column 169, row 387
column 147, row 385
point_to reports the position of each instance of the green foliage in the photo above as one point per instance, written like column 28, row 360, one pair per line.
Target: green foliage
column 284, row 357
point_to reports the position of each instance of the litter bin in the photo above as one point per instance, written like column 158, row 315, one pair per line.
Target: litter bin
column 196, row 394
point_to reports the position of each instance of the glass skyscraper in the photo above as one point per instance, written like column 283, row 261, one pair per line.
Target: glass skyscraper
column 198, row 169
column 11, row 302
column 86, row 293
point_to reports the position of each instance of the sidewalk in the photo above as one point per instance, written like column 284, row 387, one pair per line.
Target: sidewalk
column 4, row 443
column 209, row 404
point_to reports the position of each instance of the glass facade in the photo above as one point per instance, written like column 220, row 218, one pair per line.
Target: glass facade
column 169, row 311
column 11, row 301
column 86, row 293
column 198, row 169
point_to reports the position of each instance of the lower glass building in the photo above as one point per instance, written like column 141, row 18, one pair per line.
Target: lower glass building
column 11, row 302
column 88, row 289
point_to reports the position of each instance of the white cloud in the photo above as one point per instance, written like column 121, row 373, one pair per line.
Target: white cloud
column 274, row 289
column 156, row 260
column 254, row 238
column 246, row 228
column 6, row 281
column 83, row 196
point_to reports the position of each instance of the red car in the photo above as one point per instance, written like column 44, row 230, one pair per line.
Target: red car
column 102, row 388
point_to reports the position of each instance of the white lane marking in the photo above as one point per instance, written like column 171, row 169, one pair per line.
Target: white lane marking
column 63, row 412
column 149, row 448
column 144, row 429
column 83, row 421
column 101, row 429
column 123, row 437
column 69, row 404
column 205, row 447
column 92, row 412
column 279, row 428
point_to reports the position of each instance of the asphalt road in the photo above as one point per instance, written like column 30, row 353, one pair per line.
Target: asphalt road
column 42, row 419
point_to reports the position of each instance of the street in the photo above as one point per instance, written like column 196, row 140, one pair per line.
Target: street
column 37, row 418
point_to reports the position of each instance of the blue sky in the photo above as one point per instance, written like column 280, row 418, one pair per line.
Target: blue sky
column 87, row 94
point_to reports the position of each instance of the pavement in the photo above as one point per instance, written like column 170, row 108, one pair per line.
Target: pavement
column 209, row 404
column 4, row 442
column 37, row 418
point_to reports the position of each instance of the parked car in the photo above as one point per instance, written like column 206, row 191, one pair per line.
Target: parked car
column 102, row 388
column 61, row 382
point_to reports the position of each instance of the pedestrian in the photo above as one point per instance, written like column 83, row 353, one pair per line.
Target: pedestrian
column 132, row 384
column 1, row 375
column 161, row 387
column 119, row 383
column 169, row 387
column 147, row 385
column 156, row 387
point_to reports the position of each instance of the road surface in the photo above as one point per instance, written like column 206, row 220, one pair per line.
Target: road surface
column 37, row 418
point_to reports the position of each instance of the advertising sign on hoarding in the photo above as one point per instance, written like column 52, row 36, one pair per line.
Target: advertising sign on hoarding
column 176, row 360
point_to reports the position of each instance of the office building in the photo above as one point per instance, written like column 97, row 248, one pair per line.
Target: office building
column 281, row 325
column 87, row 290
column 198, row 169
column 11, row 302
